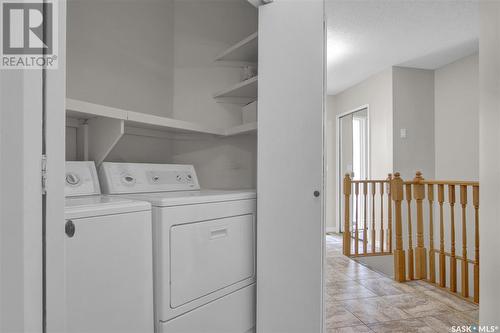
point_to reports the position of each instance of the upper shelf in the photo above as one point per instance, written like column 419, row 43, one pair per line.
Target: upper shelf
column 86, row 110
column 245, row 91
column 245, row 50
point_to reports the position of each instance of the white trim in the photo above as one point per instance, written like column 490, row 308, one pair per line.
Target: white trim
column 56, row 319
column 338, row 213
column 330, row 230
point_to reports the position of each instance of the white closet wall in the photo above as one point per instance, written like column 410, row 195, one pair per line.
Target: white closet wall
column 203, row 29
column 120, row 54
column 158, row 57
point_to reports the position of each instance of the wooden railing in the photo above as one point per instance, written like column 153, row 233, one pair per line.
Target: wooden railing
column 368, row 229
column 419, row 268
column 413, row 205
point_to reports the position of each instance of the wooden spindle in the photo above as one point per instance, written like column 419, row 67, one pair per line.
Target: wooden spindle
column 475, row 202
column 442, row 257
column 373, row 234
column 465, row 264
column 432, row 261
column 356, row 235
column 347, row 215
column 396, row 192
column 411, row 263
column 389, row 213
column 382, row 217
column 453, row 258
column 365, row 214
column 420, row 250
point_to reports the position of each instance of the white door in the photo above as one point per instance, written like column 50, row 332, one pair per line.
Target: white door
column 290, row 167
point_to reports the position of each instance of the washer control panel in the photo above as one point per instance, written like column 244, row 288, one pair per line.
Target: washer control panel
column 81, row 179
column 119, row 178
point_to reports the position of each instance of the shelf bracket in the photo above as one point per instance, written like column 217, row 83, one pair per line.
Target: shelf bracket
column 103, row 135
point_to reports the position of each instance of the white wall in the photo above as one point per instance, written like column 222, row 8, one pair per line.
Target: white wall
column 413, row 98
column 489, row 161
column 456, row 117
column 376, row 92
column 120, row 54
column 20, row 201
column 158, row 57
column 202, row 30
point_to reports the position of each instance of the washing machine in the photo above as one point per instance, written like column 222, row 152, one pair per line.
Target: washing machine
column 108, row 258
column 204, row 247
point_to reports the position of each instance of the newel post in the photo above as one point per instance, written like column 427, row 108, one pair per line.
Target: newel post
column 420, row 251
column 399, row 253
column 347, row 215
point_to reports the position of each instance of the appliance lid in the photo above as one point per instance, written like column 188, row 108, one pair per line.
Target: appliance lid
column 121, row 178
column 166, row 199
column 98, row 205
column 81, row 179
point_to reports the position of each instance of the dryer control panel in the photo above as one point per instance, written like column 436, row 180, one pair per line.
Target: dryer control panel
column 119, row 178
column 81, row 179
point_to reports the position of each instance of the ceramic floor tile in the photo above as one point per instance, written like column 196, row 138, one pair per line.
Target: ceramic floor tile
column 359, row 272
column 444, row 323
column 417, row 305
column 401, row 326
column 342, row 290
column 452, row 301
column 351, row 329
column 335, row 276
column 386, row 286
column 472, row 315
column 337, row 316
column 373, row 310
column 359, row 299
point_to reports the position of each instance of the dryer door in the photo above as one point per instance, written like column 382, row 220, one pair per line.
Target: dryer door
column 210, row 255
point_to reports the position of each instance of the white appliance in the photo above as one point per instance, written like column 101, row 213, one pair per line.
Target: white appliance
column 204, row 247
column 108, row 258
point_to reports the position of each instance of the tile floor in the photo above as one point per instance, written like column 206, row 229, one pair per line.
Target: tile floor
column 359, row 299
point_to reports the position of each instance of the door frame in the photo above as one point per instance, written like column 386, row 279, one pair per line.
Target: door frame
column 338, row 148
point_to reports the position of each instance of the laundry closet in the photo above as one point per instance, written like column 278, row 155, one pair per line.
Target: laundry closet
column 169, row 90
column 162, row 100
column 164, row 81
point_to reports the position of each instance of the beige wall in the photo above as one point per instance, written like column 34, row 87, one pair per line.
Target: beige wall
column 376, row 92
column 413, row 102
column 457, row 119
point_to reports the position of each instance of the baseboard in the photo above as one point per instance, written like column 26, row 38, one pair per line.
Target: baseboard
column 331, row 230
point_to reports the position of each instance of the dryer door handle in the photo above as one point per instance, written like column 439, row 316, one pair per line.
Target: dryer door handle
column 218, row 233
column 69, row 228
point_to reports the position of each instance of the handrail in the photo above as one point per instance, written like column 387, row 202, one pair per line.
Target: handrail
column 443, row 182
column 376, row 210
column 419, row 267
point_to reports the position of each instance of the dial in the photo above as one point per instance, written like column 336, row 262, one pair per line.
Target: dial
column 72, row 179
column 128, row 179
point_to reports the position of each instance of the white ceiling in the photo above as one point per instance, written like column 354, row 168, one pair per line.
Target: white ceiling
column 368, row 36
